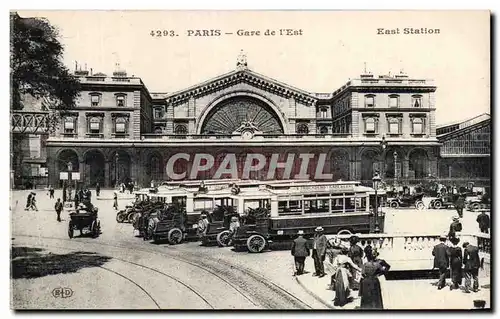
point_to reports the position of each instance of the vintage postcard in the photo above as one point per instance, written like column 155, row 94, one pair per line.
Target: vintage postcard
column 250, row 160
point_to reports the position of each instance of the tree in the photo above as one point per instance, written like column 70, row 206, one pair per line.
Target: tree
column 36, row 66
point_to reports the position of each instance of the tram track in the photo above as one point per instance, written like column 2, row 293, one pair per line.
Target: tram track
column 141, row 287
column 244, row 281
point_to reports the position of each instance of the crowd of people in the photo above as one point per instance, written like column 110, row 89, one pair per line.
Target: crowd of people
column 355, row 268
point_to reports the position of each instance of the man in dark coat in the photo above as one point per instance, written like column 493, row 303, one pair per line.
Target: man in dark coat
column 58, row 207
column 300, row 251
column 97, row 189
column 28, row 201
column 441, row 261
column 319, row 252
column 460, row 204
column 471, row 266
column 455, row 226
column 484, row 222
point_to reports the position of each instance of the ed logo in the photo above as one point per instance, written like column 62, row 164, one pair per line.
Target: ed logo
column 61, row 292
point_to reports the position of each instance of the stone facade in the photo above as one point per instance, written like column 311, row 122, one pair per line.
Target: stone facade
column 243, row 112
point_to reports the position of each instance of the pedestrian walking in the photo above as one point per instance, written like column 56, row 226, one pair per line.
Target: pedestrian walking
column 51, row 191
column 58, row 207
column 319, row 252
column 115, row 200
column 33, row 202
column 455, row 226
column 299, row 252
column 441, row 260
column 344, row 269
column 460, row 204
column 28, row 201
column 471, row 267
column 356, row 254
column 484, row 222
column 455, row 255
column 97, row 189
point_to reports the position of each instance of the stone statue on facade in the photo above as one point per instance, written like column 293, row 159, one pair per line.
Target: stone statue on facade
column 241, row 62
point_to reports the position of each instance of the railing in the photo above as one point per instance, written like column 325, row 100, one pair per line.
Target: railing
column 29, row 122
column 389, row 181
column 414, row 251
column 238, row 137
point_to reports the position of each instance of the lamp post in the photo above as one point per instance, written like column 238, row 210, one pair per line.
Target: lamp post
column 70, row 169
column 376, row 180
column 383, row 145
column 116, row 169
column 395, row 154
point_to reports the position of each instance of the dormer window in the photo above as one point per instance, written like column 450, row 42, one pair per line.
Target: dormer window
column 393, row 100
column 370, row 100
column 120, row 100
column 95, row 99
column 416, row 101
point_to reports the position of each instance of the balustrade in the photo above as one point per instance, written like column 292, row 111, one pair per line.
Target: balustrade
column 413, row 251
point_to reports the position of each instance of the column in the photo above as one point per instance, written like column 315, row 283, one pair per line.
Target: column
column 406, row 168
column 107, row 175
column 83, row 175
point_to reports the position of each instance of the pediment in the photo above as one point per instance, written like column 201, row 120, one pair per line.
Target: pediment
column 241, row 76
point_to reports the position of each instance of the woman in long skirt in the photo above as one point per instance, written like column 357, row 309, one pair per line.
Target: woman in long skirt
column 455, row 263
column 370, row 290
column 342, row 278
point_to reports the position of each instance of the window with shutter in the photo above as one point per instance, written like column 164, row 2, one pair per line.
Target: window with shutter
column 393, row 101
column 95, row 125
column 369, row 101
column 418, row 126
column 416, row 101
column 370, row 125
column 95, row 98
column 120, row 100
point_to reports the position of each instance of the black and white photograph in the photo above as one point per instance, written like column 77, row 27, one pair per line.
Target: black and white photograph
column 250, row 160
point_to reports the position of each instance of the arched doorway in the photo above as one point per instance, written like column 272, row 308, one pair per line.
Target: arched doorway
column 67, row 159
column 418, row 164
column 120, row 167
column 369, row 164
column 155, row 168
column 94, row 170
column 340, row 166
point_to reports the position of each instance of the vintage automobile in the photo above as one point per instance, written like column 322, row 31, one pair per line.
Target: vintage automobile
column 218, row 228
column 84, row 217
column 276, row 212
column 408, row 200
column 481, row 200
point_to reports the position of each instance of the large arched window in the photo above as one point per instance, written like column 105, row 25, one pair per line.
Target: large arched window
column 323, row 130
column 234, row 113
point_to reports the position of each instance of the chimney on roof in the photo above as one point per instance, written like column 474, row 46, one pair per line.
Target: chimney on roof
column 366, row 74
column 401, row 75
column 119, row 72
column 80, row 72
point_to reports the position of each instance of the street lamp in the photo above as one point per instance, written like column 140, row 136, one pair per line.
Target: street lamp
column 376, row 180
column 116, row 169
column 383, row 145
column 395, row 154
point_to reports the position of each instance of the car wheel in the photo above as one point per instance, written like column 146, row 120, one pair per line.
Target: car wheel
column 256, row 243
column 394, row 205
column 223, row 238
column 437, row 204
column 420, row 205
column 174, row 236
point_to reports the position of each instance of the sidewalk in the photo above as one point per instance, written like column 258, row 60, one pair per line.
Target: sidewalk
column 400, row 294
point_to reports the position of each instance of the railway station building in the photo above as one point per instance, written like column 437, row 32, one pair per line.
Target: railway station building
column 119, row 131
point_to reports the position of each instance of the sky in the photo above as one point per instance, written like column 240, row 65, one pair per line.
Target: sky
column 333, row 46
